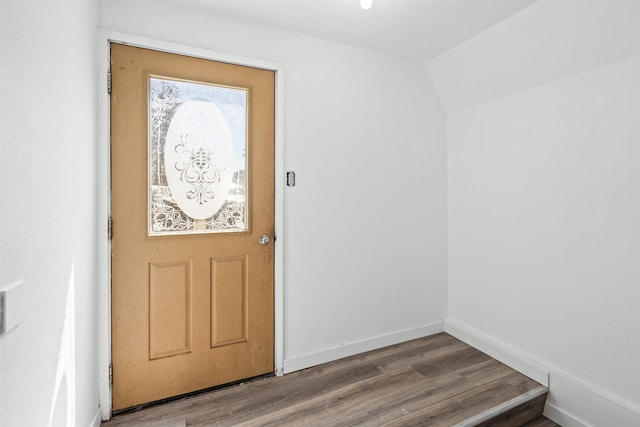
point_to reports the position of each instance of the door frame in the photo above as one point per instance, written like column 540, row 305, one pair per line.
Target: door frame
column 105, row 38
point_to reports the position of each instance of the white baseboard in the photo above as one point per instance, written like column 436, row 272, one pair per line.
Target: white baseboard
column 571, row 402
column 346, row 350
column 574, row 403
column 506, row 354
column 97, row 418
column 562, row 417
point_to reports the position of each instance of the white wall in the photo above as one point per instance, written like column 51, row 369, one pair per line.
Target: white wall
column 48, row 363
column 543, row 225
column 544, row 203
column 365, row 226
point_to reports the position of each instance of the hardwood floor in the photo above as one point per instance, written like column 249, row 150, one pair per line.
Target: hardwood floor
column 435, row 381
column 541, row 422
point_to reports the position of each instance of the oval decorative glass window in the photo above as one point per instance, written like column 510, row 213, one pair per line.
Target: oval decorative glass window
column 197, row 157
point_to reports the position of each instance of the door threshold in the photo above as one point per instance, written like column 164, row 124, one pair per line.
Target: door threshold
column 137, row 408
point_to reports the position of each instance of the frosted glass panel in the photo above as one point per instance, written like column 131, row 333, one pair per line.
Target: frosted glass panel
column 197, row 158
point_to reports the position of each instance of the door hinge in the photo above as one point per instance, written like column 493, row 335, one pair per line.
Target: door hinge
column 110, row 228
column 110, row 374
column 109, row 82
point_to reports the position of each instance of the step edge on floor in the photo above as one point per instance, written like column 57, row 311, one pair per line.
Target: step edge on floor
column 503, row 407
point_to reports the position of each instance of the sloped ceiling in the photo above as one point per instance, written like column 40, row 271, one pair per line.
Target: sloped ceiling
column 417, row 29
column 548, row 41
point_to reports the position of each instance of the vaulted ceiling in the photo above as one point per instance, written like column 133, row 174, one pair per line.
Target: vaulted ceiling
column 417, row 29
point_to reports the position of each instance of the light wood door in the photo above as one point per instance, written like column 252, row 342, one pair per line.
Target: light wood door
column 192, row 286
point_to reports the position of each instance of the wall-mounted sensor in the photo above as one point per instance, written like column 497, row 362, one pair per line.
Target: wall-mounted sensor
column 291, row 179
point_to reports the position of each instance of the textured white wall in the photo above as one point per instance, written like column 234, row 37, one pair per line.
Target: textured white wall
column 365, row 226
column 544, row 209
column 48, row 363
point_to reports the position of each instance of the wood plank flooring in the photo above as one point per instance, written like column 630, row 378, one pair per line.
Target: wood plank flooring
column 435, row 381
column 541, row 422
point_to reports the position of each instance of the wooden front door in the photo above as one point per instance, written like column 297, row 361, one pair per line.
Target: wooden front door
column 192, row 174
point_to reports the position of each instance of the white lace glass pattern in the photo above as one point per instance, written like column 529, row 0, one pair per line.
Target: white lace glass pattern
column 197, row 158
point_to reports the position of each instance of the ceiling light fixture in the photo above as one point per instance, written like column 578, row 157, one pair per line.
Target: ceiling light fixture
column 366, row 4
